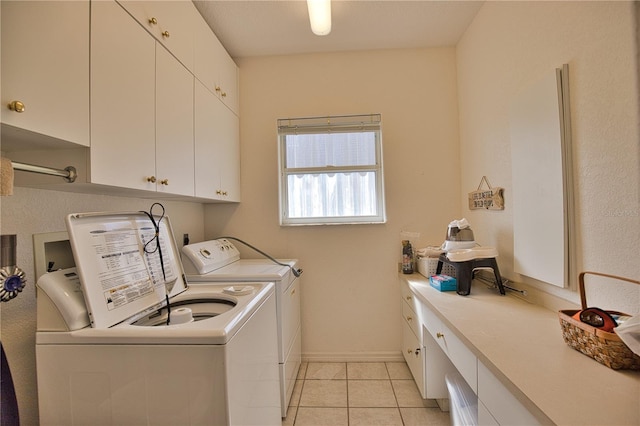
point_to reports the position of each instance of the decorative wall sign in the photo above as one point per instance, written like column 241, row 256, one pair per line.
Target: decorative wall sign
column 488, row 199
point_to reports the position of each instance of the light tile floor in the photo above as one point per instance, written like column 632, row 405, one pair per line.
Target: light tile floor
column 360, row 393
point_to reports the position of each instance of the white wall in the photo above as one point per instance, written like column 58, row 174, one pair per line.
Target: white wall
column 510, row 45
column 33, row 211
column 350, row 299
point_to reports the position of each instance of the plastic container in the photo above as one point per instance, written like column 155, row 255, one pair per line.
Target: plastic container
column 463, row 402
column 427, row 266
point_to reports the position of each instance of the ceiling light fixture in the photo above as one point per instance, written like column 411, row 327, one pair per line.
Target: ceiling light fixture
column 320, row 16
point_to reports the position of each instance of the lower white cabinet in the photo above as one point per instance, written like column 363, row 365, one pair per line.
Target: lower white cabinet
column 462, row 358
column 484, row 416
column 436, row 366
column 413, row 354
column 427, row 362
column 436, row 350
column 501, row 405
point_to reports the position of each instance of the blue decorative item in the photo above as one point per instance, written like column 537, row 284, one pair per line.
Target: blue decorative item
column 12, row 278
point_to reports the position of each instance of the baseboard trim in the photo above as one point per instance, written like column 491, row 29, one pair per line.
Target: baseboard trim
column 352, row 356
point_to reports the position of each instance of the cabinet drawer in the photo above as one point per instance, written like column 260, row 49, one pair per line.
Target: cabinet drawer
column 500, row 402
column 412, row 321
column 414, row 354
column 408, row 296
column 463, row 359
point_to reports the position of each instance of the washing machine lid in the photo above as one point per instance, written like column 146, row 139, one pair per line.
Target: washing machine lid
column 117, row 257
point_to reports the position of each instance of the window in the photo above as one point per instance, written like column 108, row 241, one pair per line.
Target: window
column 331, row 170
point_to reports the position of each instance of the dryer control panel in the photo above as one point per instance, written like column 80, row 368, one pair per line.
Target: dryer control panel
column 202, row 258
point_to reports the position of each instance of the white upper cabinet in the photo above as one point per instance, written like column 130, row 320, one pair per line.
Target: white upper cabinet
column 217, row 148
column 215, row 68
column 230, row 155
column 174, row 126
column 122, row 100
column 170, row 22
column 116, row 80
column 142, row 103
column 45, row 70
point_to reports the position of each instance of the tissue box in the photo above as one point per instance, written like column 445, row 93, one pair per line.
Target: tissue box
column 443, row 282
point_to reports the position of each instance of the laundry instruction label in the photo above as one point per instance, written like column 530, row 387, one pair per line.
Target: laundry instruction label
column 122, row 272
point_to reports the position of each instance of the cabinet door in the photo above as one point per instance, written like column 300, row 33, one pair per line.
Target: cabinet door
column 207, row 162
column 217, row 149
column 229, row 83
column 205, row 44
column 122, row 99
column 170, row 22
column 215, row 68
column 503, row 406
column 461, row 357
column 230, row 154
column 436, row 367
column 414, row 356
column 45, row 65
column 174, row 125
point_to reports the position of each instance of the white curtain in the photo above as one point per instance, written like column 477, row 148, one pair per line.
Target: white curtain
column 327, row 191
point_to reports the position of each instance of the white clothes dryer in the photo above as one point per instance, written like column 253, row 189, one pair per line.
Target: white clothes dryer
column 123, row 340
column 219, row 261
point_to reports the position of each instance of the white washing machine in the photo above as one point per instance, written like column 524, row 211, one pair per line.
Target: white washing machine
column 219, row 260
column 109, row 351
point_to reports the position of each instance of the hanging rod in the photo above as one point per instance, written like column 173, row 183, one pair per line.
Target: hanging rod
column 69, row 173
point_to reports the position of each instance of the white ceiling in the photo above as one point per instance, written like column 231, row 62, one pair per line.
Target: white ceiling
column 281, row 27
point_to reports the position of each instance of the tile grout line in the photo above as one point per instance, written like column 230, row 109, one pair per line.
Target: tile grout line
column 394, row 393
column 346, row 374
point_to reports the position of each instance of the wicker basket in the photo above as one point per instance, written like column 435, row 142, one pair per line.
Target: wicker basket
column 606, row 348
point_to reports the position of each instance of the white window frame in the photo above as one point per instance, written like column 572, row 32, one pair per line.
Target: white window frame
column 318, row 125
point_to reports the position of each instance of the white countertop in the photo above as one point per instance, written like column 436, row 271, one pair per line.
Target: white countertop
column 522, row 345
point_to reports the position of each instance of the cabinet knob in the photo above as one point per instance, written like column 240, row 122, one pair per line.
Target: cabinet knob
column 417, row 352
column 218, row 192
column 217, row 88
column 16, row 106
column 151, row 179
column 409, row 297
column 409, row 319
column 153, row 21
column 165, row 34
column 224, row 94
column 439, row 335
column 224, row 193
column 164, row 182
